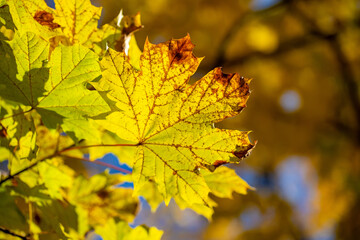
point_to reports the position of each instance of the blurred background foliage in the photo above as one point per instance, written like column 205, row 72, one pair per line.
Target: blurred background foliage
column 304, row 110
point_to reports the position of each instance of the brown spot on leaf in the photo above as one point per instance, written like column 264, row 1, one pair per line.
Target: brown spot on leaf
column 221, row 77
column 46, row 19
column 180, row 50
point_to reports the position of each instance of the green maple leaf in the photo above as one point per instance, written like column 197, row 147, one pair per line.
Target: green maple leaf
column 171, row 123
column 55, row 88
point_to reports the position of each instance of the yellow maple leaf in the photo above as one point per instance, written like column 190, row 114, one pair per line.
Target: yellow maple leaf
column 171, row 123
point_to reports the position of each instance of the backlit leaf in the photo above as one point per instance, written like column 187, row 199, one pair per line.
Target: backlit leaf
column 224, row 181
column 113, row 230
column 24, row 84
column 60, row 94
column 172, row 123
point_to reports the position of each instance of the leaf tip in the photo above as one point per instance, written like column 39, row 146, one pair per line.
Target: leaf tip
column 242, row 152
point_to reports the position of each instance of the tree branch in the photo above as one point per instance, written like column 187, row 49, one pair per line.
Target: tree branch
column 16, row 114
column 72, row 147
column 13, row 234
column 238, row 23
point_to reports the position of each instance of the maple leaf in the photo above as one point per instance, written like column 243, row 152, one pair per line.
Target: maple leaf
column 224, row 181
column 55, row 88
column 121, row 230
column 171, row 123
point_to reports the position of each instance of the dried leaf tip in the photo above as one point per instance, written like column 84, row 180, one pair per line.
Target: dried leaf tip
column 181, row 49
column 244, row 153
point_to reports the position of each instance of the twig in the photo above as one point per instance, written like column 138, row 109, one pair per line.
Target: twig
column 16, row 114
column 13, row 234
column 238, row 23
column 350, row 82
column 11, row 176
column 58, row 153
column 344, row 65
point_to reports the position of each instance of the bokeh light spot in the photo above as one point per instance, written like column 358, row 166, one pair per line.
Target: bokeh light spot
column 290, row 101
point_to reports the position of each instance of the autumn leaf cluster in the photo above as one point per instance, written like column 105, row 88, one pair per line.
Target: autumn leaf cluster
column 71, row 92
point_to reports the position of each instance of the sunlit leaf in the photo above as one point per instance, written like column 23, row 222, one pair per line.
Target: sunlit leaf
column 172, row 123
column 224, row 181
column 113, row 230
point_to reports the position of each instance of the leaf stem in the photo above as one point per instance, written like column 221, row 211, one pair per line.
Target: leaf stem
column 100, row 163
column 16, row 114
column 99, row 145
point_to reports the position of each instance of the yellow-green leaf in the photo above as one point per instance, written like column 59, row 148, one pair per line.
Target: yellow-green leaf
column 171, row 123
column 224, row 181
column 67, row 100
column 25, row 82
column 120, row 230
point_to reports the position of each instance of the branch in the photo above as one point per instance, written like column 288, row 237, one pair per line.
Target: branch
column 11, row 176
column 16, row 114
column 72, row 147
column 350, row 82
column 283, row 48
column 13, row 234
column 238, row 23
column 345, row 67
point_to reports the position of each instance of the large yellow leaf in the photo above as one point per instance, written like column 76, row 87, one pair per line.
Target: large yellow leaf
column 171, row 123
